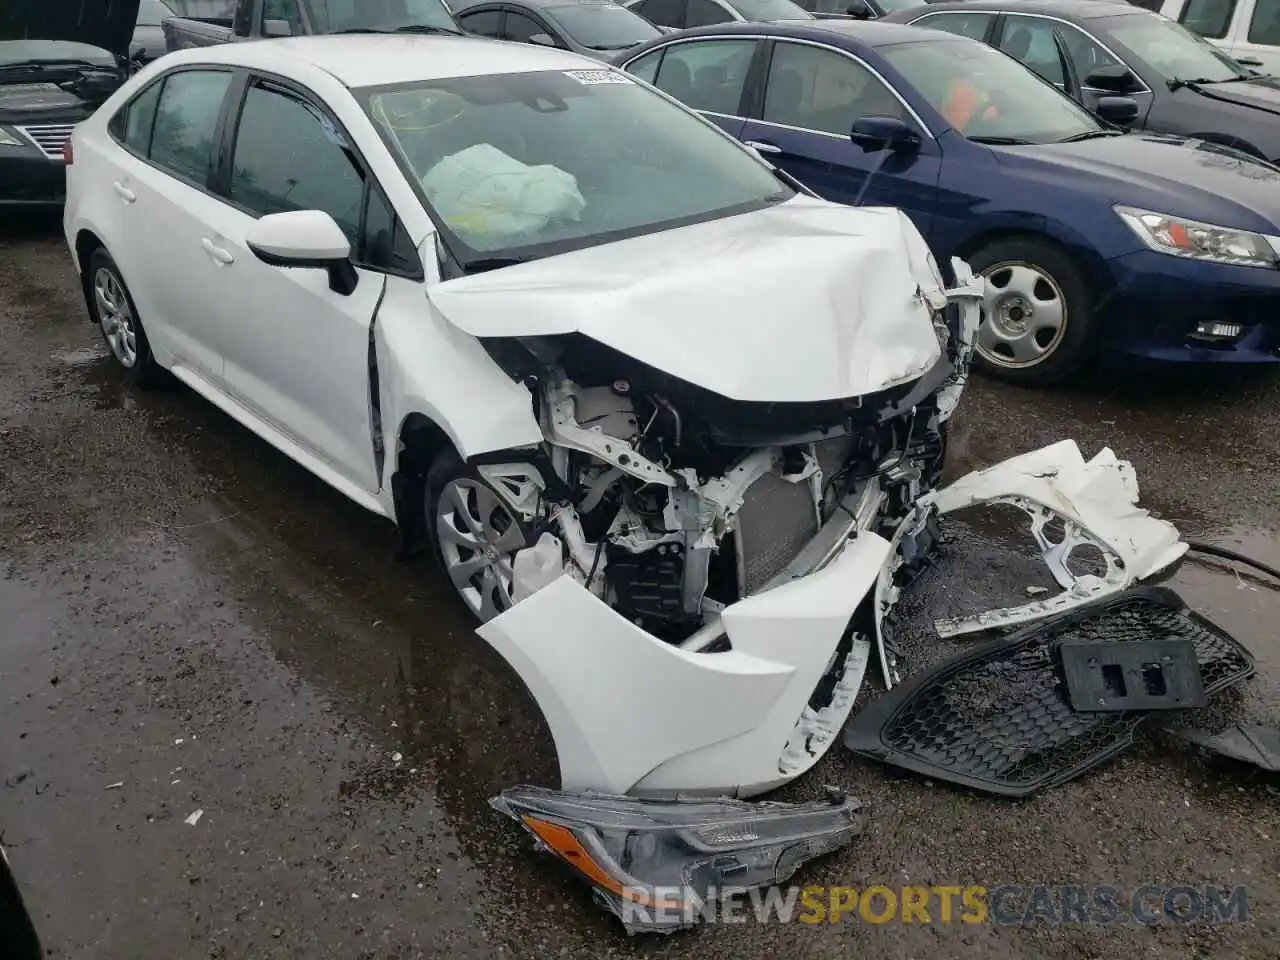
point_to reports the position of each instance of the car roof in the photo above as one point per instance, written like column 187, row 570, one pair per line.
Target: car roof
column 367, row 60
column 462, row 5
column 871, row 33
column 1069, row 9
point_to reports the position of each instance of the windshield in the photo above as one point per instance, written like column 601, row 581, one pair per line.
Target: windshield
column 1172, row 50
column 152, row 13
column 48, row 51
column 986, row 95
column 531, row 164
column 331, row 16
column 771, row 10
column 603, row 26
column 893, row 6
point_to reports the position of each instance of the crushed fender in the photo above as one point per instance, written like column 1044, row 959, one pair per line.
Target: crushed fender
column 657, row 864
column 999, row 718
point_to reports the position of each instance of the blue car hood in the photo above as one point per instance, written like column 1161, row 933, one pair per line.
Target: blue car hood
column 1189, row 178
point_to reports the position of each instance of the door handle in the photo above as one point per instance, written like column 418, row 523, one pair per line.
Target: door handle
column 762, row 147
column 127, row 195
column 219, row 255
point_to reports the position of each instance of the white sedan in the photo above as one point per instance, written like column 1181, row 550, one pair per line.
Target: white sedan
column 656, row 412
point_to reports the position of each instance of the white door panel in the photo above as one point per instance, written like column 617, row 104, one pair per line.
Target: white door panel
column 297, row 354
column 177, row 286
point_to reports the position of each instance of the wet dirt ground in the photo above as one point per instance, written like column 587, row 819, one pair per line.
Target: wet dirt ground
column 189, row 622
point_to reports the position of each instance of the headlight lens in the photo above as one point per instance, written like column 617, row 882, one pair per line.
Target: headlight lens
column 7, row 139
column 1201, row 241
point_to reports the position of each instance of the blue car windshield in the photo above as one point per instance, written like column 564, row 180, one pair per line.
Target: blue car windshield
column 987, row 95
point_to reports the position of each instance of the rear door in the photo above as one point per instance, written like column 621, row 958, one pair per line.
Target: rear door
column 708, row 75
column 811, row 96
column 1255, row 34
column 162, row 186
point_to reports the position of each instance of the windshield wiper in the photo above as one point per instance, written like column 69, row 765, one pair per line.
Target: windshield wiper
column 482, row 264
column 1090, row 135
column 41, row 65
column 1002, row 141
column 1177, row 83
column 407, row 28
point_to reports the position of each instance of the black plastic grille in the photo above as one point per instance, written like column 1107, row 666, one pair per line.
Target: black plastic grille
column 998, row 718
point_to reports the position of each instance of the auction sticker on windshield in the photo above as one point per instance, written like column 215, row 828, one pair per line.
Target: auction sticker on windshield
column 596, row 76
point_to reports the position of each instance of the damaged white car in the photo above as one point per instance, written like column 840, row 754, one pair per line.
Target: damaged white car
column 658, row 413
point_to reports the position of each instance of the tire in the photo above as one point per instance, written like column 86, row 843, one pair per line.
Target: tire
column 463, row 508
column 1024, row 275
column 112, row 309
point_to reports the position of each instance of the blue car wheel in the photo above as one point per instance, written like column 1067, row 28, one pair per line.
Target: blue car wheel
column 1038, row 313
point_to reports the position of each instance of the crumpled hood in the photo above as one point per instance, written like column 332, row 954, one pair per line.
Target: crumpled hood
column 801, row 302
column 104, row 23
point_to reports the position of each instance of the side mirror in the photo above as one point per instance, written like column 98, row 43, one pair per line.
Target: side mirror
column 542, row 40
column 1117, row 110
column 276, row 28
column 1113, row 79
column 305, row 239
column 860, row 10
column 883, row 133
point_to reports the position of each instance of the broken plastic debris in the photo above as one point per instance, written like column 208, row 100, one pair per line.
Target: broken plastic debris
column 1096, row 505
column 115, row 786
column 397, row 757
column 656, row 864
column 192, row 820
column 1259, row 746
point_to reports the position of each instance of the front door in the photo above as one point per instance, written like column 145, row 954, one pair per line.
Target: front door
column 812, row 96
column 295, row 352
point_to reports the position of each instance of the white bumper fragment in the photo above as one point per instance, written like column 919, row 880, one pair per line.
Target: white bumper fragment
column 632, row 714
column 1096, row 502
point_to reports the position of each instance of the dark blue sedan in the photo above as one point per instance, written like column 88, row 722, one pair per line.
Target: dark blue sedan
column 1090, row 238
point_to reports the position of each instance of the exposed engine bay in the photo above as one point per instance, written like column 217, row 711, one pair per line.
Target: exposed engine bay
column 670, row 502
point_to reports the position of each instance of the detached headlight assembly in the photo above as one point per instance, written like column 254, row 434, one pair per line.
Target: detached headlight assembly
column 1201, row 241
column 7, row 139
column 659, row 864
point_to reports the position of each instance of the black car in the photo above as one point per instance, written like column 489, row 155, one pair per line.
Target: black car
column 679, row 14
column 1181, row 83
column 596, row 28
column 58, row 62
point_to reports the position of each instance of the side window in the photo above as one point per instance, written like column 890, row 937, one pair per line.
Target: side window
column 665, row 13
column 186, row 121
column 384, row 245
column 707, row 74
column 971, row 25
column 702, row 13
column 280, row 18
column 1086, row 55
column 817, row 89
column 139, row 119
column 1264, row 25
column 520, row 28
column 1033, row 43
column 289, row 156
column 1210, row 18
column 646, row 68
column 486, row 23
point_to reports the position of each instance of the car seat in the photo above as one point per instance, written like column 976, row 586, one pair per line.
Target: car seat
column 675, row 78
column 783, row 96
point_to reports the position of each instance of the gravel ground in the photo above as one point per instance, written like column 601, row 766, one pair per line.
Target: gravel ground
column 190, row 623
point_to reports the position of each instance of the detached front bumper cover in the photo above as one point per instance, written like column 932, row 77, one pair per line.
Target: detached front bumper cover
column 658, row 864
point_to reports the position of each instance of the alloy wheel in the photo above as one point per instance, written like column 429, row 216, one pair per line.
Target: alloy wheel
column 115, row 316
column 478, row 538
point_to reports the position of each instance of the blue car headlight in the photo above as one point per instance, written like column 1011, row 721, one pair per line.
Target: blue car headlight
column 7, row 139
column 1201, row 241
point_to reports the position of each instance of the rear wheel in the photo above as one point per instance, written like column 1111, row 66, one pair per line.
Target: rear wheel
column 1038, row 313
column 117, row 319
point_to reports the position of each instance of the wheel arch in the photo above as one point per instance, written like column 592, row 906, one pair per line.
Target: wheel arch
column 1071, row 243
column 86, row 242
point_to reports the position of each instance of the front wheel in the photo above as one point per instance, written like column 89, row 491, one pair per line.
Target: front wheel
column 1038, row 312
column 475, row 536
